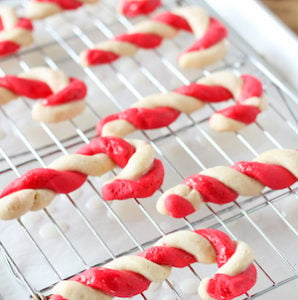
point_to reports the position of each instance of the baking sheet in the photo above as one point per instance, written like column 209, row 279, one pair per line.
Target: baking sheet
column 270, row 221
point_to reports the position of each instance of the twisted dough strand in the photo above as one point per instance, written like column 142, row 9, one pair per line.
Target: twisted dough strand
column 210, row 47
column 276, row 169
column 15, row 32
column 40, row 9
column 141, row 176
column 63, row 97
column 133, row 8
column 130, row 275
column 160, row 110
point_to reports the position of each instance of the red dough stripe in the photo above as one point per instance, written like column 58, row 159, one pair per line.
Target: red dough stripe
column 117, row 149
column 178, row 207
column 75, row 91
column 205, row 93
column 215, row 33
column 138, row 7
column 57, row 297
column 64, row 4
column 173, row 20
column 224, row 247
column 142, row 40
column 211, row 189
column 246, row 114
column 251, row 87
column 273, row 176
column 97, row 56
column 168, row 256
column 30, row 88
column 122, row 283
column 25, row 24
column 146, row 118
column 62, row 182
column 8, row 47
column 144, row 186
column 113, row 282
column 231, row 285
column 142, row 118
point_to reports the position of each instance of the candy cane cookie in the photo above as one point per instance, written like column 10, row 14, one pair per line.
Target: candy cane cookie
column 133, row 8
column 160, row 110
column 62, row 96
column 210, row 46
column 140, row 177
column 276, row 169
column 40, row 9
column 15, row 32
column 128, row 276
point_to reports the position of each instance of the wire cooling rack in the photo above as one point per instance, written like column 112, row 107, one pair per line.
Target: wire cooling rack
column 80, row 230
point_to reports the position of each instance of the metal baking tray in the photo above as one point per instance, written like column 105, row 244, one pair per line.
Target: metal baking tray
column 80, row 230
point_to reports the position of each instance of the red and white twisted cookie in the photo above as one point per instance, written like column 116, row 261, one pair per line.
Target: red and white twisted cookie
column 160, row 110
column 131, row 275
column 133, row 8
column 62, row 96
column 39, row 9
column 210, row 46
column 276, row 169
column 140, row 177
column 15, row 32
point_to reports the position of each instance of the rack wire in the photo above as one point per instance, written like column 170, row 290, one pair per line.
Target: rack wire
column 80, row 230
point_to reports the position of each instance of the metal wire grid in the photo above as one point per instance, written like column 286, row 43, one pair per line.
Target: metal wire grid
column 185, row 147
